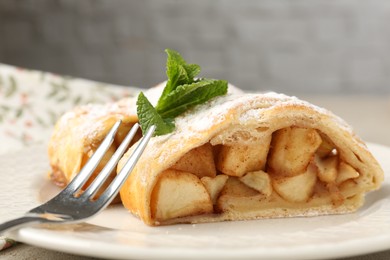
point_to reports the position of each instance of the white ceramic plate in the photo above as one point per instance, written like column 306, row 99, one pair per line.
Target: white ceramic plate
column 117, row 234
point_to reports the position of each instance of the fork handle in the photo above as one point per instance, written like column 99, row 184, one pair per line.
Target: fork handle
column 18, row 222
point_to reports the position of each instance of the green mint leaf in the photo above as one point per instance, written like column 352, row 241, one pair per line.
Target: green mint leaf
column 148, row 116
column 192, row 70
column 181, row 93
column 178, row 72
column 187, row 96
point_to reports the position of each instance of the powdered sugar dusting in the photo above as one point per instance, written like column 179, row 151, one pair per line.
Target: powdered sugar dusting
column 89, row 115
column 245, row 108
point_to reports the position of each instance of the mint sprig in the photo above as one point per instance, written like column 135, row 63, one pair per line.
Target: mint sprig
column 151, row 117
column 189, row 95
column 182, row 92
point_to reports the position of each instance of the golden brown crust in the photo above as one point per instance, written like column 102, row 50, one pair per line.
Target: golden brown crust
column 245, row 119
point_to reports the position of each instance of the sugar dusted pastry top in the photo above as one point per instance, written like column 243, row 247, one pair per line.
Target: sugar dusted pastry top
column 92, row 114
column 242, row 120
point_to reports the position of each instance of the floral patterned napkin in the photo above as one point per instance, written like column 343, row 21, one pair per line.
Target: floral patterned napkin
column 32, row 101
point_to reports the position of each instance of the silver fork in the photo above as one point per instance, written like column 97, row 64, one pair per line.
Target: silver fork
column 74, row 205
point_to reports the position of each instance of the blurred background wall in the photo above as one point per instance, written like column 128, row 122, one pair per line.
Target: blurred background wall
column 301, row 46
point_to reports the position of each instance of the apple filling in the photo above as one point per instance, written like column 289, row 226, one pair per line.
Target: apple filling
column 294, row 167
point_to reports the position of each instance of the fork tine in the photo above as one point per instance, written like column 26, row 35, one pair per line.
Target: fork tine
column 103, row 175
column 116, row 184
column 81, row 178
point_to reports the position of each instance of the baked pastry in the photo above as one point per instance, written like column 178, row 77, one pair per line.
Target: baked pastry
column 79, row 132
column 250, row 156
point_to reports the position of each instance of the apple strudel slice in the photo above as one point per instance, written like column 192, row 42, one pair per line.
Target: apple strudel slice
column 79, row 132
column 250, row 156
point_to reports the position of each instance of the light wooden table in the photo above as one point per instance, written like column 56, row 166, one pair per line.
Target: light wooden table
column 369, row 116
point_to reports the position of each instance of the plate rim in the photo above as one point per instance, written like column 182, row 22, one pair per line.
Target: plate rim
column 376, row 244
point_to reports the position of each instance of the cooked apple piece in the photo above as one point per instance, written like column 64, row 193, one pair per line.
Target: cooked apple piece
column 346, row 172
column 327, row 168
column 238, row 197
column 199, row 161
column 326, row 147
column 298, row 188
column 214, row 185
column 259, row 181
column 292, row 150
column 178, row 194
column 335, row 194
column 228, row 203
column 349, row 188
column 240, row 159
column 236, row 188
